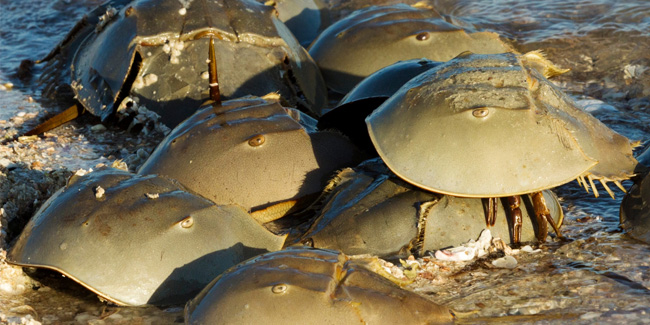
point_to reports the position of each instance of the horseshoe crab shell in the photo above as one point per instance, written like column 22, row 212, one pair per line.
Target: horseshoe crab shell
column 369, row 210
column 137, row 240
column 250, row 152
column 374, row 37
column 635, row 211
column 305, row 18
column 156, row 52
column 350, row 114
column 309, row 286
column 490, row 126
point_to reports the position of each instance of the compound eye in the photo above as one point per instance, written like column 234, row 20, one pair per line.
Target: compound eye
column 187, row 222
column 422, row 36
column 279, row 288
column 480, row 112
column 256, row 140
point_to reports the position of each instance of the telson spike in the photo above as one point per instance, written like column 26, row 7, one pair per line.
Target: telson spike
column 66, row 116
column 215, row 94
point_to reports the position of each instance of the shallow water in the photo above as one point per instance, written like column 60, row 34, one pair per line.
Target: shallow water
column 600, row 274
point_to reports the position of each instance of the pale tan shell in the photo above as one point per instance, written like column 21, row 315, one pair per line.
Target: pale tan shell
column 490, row 126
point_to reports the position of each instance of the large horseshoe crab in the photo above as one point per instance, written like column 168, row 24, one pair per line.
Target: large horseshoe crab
column 369, row 210
column 155, row 53
column 372, row 38
column 309, row 286
column 491, row 126
column 137, row 240
column 254, row 153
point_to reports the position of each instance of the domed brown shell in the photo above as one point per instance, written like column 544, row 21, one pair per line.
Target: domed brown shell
column 138, row 240
column 309, row 286
column 375, row 37
column 250, row 152
column 156, row 52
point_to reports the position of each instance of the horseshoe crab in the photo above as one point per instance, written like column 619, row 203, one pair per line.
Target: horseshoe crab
column 138, row 239
column 635, row 211
column 309, row 286
column 369, row 210
column 305, row 18
column 253, row 153
column 350, row 113
column 490, row 126
column 375, row 37
column 154, row 53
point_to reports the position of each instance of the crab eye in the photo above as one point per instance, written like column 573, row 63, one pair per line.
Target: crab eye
column 187, row 222
column 480, row 112
column 422, row 36
column 256, row 141
column 308, row 242
column 279, row 288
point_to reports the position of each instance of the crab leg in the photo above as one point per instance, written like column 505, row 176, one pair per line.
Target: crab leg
column 543, row 216
column 490, row 207
column 515, row 215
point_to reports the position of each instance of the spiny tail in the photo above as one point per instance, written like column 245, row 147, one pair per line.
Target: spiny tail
column 215, row 94
column 68, row 115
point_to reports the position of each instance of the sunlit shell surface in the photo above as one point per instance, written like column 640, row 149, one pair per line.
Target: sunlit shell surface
column 157, row 53
column 309, row 286
column 137, row 240
column 369, row 210
column 375, row 37
column 250, row 152
column 490, row 126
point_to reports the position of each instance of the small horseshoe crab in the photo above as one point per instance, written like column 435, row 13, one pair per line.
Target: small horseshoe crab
column 635, row 207
column 254, row 153
column 375, row 37
column 138, row 239
column 156, row 53
column 635, row 211
column 349, row 115
column 302, row 285
column 369, row 210
column 491, row 126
